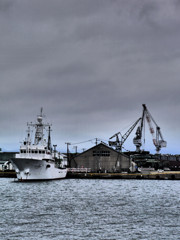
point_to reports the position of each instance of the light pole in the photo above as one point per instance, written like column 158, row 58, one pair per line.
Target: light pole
column 68, row 159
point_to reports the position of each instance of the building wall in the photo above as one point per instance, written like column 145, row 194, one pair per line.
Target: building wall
column 4, row 157
column 102, row 158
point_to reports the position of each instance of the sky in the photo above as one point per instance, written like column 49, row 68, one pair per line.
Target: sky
column 90, row 64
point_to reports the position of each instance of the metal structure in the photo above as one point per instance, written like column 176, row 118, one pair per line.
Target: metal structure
column 157, row 137
column 68, row 153
column 119, row 143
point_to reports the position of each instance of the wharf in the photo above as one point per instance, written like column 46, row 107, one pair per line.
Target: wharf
column 154, row 175
column 7, row 174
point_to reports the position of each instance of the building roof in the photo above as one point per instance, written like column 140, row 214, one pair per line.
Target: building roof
column 101, row 144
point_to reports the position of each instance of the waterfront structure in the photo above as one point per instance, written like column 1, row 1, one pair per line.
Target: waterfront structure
column 38, row 161
column 5, row 163
column 157, row 161
column 101, row 158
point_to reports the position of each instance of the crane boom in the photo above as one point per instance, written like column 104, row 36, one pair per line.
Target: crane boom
column 137, row 140
column 119, row 143
column 157, row 137
column 126, row 135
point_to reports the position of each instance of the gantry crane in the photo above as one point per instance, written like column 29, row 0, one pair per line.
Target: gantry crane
column 118, row 143
column 157, row 137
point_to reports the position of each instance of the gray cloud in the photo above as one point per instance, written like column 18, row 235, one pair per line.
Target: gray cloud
column 90, row 64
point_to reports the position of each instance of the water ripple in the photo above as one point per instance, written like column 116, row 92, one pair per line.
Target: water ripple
column 90, row 209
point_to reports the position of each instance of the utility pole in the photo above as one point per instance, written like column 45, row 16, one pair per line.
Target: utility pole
column 68, row 158
column 75, row 147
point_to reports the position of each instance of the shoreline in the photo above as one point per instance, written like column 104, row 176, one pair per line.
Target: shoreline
column 166, row 175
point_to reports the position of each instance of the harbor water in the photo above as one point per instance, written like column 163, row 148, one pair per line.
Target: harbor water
column 92, row 209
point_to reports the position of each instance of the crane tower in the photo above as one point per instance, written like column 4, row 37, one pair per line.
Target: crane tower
column 157, row 137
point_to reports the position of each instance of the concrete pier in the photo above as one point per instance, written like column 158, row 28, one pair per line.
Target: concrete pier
column 168, row 175
column 7, row 174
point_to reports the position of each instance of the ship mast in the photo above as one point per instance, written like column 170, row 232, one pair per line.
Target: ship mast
column 39, row 128
column 49, row 145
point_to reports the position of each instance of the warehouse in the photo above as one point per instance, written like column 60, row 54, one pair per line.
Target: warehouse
column 5, row 160
column 101, row 158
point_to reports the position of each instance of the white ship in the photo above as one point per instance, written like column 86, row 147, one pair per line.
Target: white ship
column 37, row 160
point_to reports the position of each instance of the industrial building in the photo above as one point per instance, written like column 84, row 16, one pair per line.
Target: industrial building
column 101, row 158
column 157, row 161
column 5, row 160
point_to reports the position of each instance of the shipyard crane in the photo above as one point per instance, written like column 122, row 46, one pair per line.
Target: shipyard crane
column 157, row 137
column 138, row 138
column 118, row 144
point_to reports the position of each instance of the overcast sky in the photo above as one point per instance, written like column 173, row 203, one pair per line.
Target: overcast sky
column 90, row 64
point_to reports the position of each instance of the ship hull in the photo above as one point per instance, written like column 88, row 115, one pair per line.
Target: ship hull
column 34, row 169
